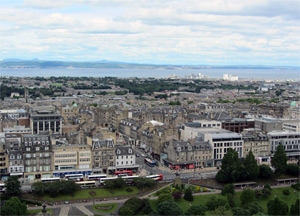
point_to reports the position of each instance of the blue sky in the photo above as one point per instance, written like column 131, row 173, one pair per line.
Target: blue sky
column 192, row 32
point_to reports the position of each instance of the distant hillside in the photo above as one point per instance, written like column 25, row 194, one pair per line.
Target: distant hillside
column 36, row 63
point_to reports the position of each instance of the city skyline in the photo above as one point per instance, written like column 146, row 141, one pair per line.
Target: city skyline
column 153, row 32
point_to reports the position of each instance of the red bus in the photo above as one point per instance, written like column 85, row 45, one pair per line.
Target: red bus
column 123, row 173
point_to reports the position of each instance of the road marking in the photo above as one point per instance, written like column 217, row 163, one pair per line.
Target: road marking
column 64, row 210
column 84, row 210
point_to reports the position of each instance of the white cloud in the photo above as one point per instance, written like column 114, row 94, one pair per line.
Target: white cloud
column 152, row 31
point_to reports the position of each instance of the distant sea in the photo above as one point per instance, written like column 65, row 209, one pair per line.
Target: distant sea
column 281, row 74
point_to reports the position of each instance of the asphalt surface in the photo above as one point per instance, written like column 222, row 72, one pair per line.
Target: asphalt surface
column 169, row 174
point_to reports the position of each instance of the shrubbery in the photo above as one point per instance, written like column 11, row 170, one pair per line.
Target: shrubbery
column 188, row 195
column 295, row 186
column 55, row 188
column 286, row 192
column 229, row 188
column 131, row 206
column 169, row 208
column 292, row 169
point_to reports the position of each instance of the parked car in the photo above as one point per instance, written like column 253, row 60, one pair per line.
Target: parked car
column 137, row 155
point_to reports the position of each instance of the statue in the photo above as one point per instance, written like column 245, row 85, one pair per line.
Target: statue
column 44, row 208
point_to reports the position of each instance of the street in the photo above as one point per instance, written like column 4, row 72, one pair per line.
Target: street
column 169, row 174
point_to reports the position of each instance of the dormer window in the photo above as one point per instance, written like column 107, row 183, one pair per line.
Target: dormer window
column 178, row 149
column 130, row 151
column 118, row 151
column 190, row 148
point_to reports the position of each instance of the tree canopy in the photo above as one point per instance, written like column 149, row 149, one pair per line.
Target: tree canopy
column 13, row 186
column 13, row 206
column 277, row 207
column 279, row 161
column 231, row 167
column 169, row 208
column 251, row 168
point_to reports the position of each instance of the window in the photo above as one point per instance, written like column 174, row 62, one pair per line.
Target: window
column 47, row 148
column 27, row 149
column 37, row 148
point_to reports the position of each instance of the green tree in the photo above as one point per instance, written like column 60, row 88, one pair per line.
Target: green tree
column 177, row 194
column 229, row 188
column 196, row 210
column 230, row 200
column 68, row 187
column 239, row 211
column 188, row 195
column 141, row 183
column 13, row 206
column 164, row 198
column 147, row 207
column 13, row 186
column 215, row 202
column 279, row 161
column 265, row 171
column 169, row 208
column 221, row 210
column 266, row 191
column 292, row 169
column 295, row 208
column 251, row 167
column 231, row 167
column 247, row 197
column 131, row 206
column 254, row 208
column 125, row 210
column 39, row 188
column 277, row 207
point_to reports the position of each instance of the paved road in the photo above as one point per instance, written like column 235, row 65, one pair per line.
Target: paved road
column 170, row 174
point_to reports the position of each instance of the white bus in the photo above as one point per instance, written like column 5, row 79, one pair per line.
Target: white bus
column 96, row 177
column 103, row 180
column 129, row 179
column 74, row 177
column 86, row 184
column 156, row 177
column 50, row 179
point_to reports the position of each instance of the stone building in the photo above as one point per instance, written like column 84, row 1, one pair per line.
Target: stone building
column 187, row 154
column 155, row 135
column 125, row 158
column 103, row 155
column 290, row 142
column 237, row 125
column 45, row 120
column 259, row 144
column 15, row 155
column 71, row 159
column 3, row 156
column 37, row 152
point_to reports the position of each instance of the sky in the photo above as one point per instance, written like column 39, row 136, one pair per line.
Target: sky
column 185, row 32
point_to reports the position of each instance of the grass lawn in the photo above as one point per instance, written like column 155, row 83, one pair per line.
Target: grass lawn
column 35, row 211
column 290, row 199
column 114, row 207
column 100, row 193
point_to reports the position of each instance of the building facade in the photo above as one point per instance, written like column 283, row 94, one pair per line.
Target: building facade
column 37, row 152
